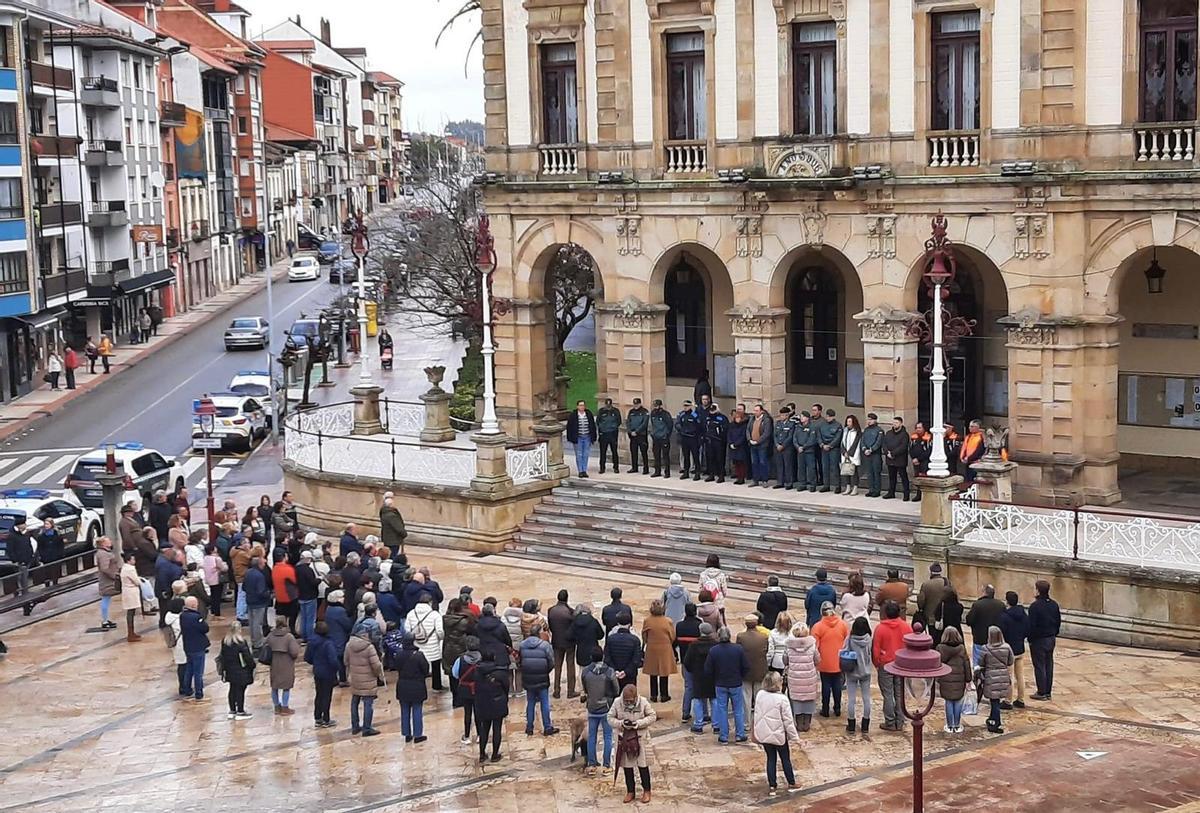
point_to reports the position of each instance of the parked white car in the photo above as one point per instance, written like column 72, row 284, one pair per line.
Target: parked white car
column 304, row 269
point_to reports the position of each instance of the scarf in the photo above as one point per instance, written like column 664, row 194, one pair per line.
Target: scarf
column 756, row 428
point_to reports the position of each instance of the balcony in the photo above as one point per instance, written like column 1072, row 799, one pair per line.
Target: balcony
column 1173, row 142
column 109, row 272
column 172, row 239
column 51, row 77
column 686, row 157
column 216, row 113
column 198, row 230
column 63, row 282
column 107, row 213
column 48, row 146
column 100, row 91
column 954, row 148
column 172, row 114
column 104, row 154
column 51, row 215
column 559, row 159
column 168, row 170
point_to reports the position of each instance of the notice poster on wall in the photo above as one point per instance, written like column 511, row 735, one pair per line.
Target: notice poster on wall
column 725, row 376
column 1131, row 399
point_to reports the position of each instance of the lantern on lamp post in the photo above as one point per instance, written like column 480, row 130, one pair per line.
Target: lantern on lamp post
column 485, row 263
column 919, row 664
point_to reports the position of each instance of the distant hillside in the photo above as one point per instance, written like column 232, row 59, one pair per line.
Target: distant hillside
column 466, row 129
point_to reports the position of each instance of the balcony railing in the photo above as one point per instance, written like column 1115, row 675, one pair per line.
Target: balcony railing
column 172, row 114
column 1165, row 142
column 48, row 146
column 99, row 83
column 108, row 153
column 562, row 159
column 60, row 214
column 100, row 91
column 198, row 230
column 49, row 76
column 686, row 157
column 954, row 149
column 64, row 281
column 106, row 213
column 216, row 114
column 102, row 267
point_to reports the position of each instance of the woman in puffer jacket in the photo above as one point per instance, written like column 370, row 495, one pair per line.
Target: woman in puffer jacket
column 777, row 643
column 774, row 729
column 803, row 679
column 997, row 659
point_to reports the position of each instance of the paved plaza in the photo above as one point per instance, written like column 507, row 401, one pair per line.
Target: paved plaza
column 93, row 723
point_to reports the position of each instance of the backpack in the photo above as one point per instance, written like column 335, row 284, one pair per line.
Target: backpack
column 391, row 649
column 466, row 680
column 713, row 586
column 421, row 633
column 848, row 661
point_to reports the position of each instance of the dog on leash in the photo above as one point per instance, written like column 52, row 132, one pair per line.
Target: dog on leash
column 579, row 741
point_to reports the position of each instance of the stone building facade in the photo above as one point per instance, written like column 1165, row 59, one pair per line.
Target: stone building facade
column 756, row 179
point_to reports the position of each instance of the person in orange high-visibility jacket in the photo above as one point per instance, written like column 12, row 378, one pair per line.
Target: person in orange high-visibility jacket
column 972, row 450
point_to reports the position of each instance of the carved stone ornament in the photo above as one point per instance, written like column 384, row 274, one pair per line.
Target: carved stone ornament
column 884, row 324
column 881, row 237
column 1029, row 327
column 995, row 438
column 799, row 160
column 690, row 7
column 547, row 403
column 633, row 314
column 1030, row 236
column 749, row 235
column 629, row 235
column 813, row 220
column 752, row 319
column 435, row 375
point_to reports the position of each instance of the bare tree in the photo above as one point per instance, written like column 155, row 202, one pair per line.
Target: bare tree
column 572, row 277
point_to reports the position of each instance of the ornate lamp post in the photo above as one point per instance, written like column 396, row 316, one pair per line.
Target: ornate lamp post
column 360, row 245
column 919, row 664
column 485, row 262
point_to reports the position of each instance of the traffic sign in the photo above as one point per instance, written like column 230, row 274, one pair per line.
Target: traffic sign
column 207, row 443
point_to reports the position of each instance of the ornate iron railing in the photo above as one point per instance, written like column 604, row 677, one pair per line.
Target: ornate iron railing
column 402, row 418
column 527, row 463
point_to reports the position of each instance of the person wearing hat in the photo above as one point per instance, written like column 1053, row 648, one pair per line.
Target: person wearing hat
column 608, row 427
column 829, row 439
column 754, row 640
column 704, row 689
column 785, row 450
column 804, row 438
column 661, row 426
column 688, row 426
column 716, row 435
column 830, row 633
column 931, row 594
column 817, row 595
column 872, row 454
column 464, row 595
column 637, row 424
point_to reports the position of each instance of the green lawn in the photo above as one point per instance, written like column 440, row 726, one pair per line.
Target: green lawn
column 581, row 367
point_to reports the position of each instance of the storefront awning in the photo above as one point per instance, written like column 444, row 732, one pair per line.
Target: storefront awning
column 42, row 319
column 155, row 279
column 97, row 296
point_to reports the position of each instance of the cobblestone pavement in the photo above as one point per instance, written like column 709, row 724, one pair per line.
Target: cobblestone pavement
column 92, row 723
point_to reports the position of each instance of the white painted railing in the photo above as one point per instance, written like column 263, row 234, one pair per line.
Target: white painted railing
column 684, row 157
column 954, row 150
column 559, row 159
column 1140, row 541
column 527, row 463
column 1165, row 142
column 1009, row 527
column 403, row 418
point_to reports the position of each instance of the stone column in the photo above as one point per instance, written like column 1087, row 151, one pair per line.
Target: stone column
column 760, row 337
column 491, row 466
column 1062, row 406
column 890, row 377
column 550, row 430
column 366, row 409
column 437, row 416
column 524, row 362
column 931, row 539
column 634, row 351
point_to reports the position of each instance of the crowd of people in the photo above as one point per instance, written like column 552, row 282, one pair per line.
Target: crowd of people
column 799, row 450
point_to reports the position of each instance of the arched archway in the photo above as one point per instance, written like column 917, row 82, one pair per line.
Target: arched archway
column 697, row 292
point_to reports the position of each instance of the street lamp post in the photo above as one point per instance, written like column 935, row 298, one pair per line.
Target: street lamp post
column 360, row 245
column 919, row 664
column 485, row 261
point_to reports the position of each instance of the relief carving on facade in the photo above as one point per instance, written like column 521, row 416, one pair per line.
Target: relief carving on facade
column 1031, row 236
column 749, row 235
column 1030, row 196
column 881, row 237
column 879, row 199
column 629, row 235
column 799, row 160
column 753, row 320
column 885, row 324
column 787, row 11
column 813, row 220
column 1029, row 327
column 691, row 8
column 633, row 315
column 554, row 19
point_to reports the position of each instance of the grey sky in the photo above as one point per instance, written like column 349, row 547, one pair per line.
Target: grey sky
column 398, row 36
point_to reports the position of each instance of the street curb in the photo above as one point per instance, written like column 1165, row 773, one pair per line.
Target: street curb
column 41, row 415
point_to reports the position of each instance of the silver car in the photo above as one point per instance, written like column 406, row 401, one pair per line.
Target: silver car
column 247, row 331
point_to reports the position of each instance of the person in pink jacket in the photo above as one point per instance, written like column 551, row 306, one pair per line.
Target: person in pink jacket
column 803, row 682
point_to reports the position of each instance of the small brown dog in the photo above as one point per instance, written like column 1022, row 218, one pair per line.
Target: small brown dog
column 579, row 738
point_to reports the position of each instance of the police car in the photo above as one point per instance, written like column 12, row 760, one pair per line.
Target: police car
column 78, row 526
column 146, row 471
column 240, row 420
column 258, row 385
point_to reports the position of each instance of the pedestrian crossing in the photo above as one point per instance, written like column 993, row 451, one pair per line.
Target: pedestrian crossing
column 48, row 468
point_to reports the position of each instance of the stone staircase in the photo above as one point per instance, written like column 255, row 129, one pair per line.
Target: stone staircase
column 656, row 531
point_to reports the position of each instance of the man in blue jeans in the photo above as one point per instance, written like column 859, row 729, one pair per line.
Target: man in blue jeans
column 581, row 431
column 194, row 630
column 728, row 666
column 537, row 660
column 600, row 689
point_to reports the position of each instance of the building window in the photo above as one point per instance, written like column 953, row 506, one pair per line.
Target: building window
column 241, row 125
column 687, row 106
column 137, row 75
column 686, row 297
column 14, row 276
column 247, row 207
column 1168, row 60
column 5, row 54
column 560, row 108
column 956, row 71
column 813, row 299
column 12, row 202
column 8, row 123
column 239, row 84
column 814, row 72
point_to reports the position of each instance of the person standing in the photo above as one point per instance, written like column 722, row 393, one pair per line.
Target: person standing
column 785, row 450
column 560, row 617
column 774, row 729
column 1014, row 623
column 287, row 592
column 702, row 388
column 830, row 633
column 612, row 612
column 953, row 686
column 51, row 548
column 728, row 666
column 856, row 601
column 689, row 426
column 600, row 690
column 131, row 593
column 716, row 435
column 464, row 676
column 214, row 568
column 972, row 450
column 581, row 433
column 851, row 457
column 54, row 367
column 326, row 663
column 608, row 426
column 771, row 602
column 761, row 438
column 801, row 659
column 308, row 588
column 338, row 629
column 885, row 643
column 285, row 650
column 536, row 663
column 193, row 629
column 856, row 671
column 70, row 365
column 632, row 716
column 952, row 442
column 20, row 552
column 738, row 442
column 366, row 676
column 658, row 638
column 106, row 352
column 675, row 599
column 704, row 690
column 145, row 324
column 258, row 599
column 894, row 589
column 804, row 442
column 984, row 614
column 930, row 596
column 586, row 634
column 108, row 579
column 392, row 532
column 411, row 670
column 755, row 642
column 817, row 595
column 896, row 445
column 661, row 426
column 637, row 424
column 714, row 580
column 623, row 651
column 829, row 439
column 429, row 632
column 920, row 448
column 872, row 454
column 1045, row 621
column 996, row 661
column 172, row 633
column 167, row 571
column 949, row 615
column 491, row 704
column 687, row 630
column 92, row 352
column 235, row 665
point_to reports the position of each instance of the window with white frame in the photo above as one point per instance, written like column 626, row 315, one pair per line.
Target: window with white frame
column 687, row 94
column 814, row 78
column 955, row 40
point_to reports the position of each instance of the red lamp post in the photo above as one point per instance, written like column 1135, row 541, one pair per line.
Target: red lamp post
column 919, row 664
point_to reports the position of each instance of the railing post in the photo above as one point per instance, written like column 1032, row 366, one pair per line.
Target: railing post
column 393, row 442
column 1075, row 534
column 320, row 453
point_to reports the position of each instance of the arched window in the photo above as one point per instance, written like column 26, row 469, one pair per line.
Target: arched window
column 686, row 297
column 813, row 338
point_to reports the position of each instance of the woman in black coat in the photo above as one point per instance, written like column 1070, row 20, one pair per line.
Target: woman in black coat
column 491, row 704
column 949, row 614
column 235, row 665
column 586, row 634
column 411, row 670
column 738, row 439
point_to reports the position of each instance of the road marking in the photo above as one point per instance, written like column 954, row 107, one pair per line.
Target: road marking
column 39, row 451
column 190, row 466
column 54, row 468
column 219, row 473
column 20, row 470
column 5, row 462
column 1090, row 755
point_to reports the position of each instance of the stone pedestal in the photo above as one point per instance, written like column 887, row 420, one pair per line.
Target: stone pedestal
column 890, row 377
column 551, row 432
column 491, row 466
column 994, row 479
column 760, row 335
column 437, row 417
column 934, row 530
column 632, row 361
column 366, row 409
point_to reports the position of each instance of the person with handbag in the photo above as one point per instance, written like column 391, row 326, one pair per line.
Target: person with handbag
column 949, row 615
column 774, row 729
column 632, row 716
column 953, row 686
column 851, row 454
column 429, row 632
column 92, row 353
column 235, row 665
column 284, row 650
column 215, row 572
column 131, row 593
column 855, row 660
column 54, row 367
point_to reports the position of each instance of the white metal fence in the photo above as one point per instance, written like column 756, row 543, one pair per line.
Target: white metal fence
column 527, row 464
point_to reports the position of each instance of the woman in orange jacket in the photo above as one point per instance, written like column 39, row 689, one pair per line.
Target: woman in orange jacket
column 830, row 632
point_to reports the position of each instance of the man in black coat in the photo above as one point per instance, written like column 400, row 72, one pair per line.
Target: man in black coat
column 1045, row 621
column 582, row 433
column 611, row 613
column 560, row 617
column 20, row 553
column 872, row 455
column 623, row 652
column 704, row 688
column 1014, row 623
column 771, row 602
column 689, row 426
column 895, row 454
column 716, row 434
column 494, row 641
column 984, row 614
column 160, row 514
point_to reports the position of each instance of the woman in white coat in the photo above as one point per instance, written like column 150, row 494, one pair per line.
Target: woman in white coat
column 131, row 594
column 425, row 624
column 851, row 454
column 172, row 632
column 774, row 729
